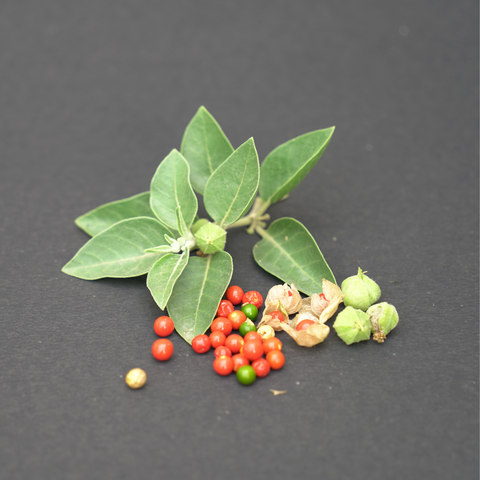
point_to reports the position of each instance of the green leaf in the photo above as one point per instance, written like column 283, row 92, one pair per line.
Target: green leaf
column 181, row 226
column 231, row 189
column 205, row 147
column 288, row 251
column 119, row 251
column 163, row 275
column 100, row 218
column 171, row 188
column 197, row 293
column 286, row 166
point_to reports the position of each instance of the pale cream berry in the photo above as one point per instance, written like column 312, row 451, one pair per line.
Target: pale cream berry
column 136, row 378
column 266, row 331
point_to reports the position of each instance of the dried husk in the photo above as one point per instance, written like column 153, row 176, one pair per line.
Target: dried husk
column 334, row 295
column 309, row 337
column 289, row 297
column 267, row 319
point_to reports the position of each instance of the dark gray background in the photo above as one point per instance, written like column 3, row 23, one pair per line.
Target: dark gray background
column 94, row 94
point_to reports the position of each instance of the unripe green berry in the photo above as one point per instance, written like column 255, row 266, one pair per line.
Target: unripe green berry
column 360, row 291
column 198, row 225
column 353, row 326
column 211, row 238
column 384, row 318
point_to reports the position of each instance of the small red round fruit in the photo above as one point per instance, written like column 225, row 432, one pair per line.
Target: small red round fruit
column 222, row 351
column 225, row 307
column 239, row 360
column 237, row 317
column 222, row 324
column 162, row 349
column 270, row 344
column 276, row 359
column 234, row 294
column 278, row 315
column 234, row 342
column 223, row 365
column 201, row 343
column 164, row 326
column 303, row 325
column 217, row 339
column 249, row 336
column 252, row 297
column 253, row 350
column 261, row 367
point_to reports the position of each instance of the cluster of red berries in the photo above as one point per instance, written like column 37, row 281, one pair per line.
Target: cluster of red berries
column 241, row 353
column 245, row 353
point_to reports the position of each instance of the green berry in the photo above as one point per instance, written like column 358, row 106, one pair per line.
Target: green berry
column 211, row 238
column 250, row 311
column 246, row 375
column 247, row 326
column 353, row 326
column 360, row 291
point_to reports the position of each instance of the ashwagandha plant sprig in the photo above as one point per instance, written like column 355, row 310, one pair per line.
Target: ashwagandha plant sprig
column 158, row 232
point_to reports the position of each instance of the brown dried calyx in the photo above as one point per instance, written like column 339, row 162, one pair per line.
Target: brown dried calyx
column 314, row 308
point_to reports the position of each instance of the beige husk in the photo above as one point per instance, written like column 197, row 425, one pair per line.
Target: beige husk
column 289, row 297
column 315, row 333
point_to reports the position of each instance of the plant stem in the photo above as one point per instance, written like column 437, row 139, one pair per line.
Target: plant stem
column 257, row 214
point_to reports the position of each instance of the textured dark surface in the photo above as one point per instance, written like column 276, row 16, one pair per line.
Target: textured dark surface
column 94, row 94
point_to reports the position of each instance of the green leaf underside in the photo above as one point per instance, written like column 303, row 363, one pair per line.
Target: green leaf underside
column 230, row 191
column 104, row 216
column 289, row 252
column 163, row 275
column 197, row 293
column 171, row 188
column 205, row 147
column 119, row 251
column 286, row 166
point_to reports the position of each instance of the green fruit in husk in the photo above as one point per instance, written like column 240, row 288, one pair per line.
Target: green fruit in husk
column 384, row 318
column 353, row 325
column 211, row 238
column 360, row 291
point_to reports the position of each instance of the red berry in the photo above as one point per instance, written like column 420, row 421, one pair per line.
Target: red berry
column 278, row 315
column 223, row 365
column 239, row 360
column 249, row 336
column 222, row 324
column 252, row 297
column 303, row 325
column 276, row 359
column 261, row 367
column 162, row 349
column 253, row 350
column 222, row 351
column 237, row 317
column 270, row 344
column 217, row 339
column 234, row 294
column 163, row 326
column 234, row 342
column 225, row 308
column 201, row 344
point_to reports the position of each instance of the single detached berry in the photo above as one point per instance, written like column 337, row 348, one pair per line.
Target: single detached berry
column 253, row 298
column 223, row 325
column 272, row 343
column 136, row 378
column 223, row 365
column 201, row 344
column 162, row 349
column 225, row 308
column 253, row 336
column 246, row 375
column 163, row 326
column 261, row 367
column 217, row 339
column 250, row 311
column 253, row 350
column 237, row 317
column 234, row 343
column 234, row 294
column 222, row 351
column 276, row 359
column 247, row 326
column 239, row 360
